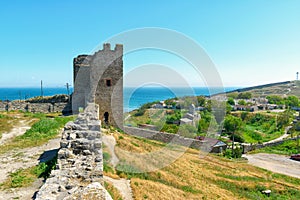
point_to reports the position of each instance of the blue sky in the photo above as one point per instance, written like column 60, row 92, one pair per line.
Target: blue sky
column 250, row 41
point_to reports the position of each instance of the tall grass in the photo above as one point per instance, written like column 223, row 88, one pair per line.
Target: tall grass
column 191, row 177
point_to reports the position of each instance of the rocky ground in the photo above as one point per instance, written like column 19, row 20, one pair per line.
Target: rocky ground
column 23, row 158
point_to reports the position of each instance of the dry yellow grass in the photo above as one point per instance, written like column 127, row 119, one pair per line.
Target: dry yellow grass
column 7, row 121
column 193, row 177
column 114, row 193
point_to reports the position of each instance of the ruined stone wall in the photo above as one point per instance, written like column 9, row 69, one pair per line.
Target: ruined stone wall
column 35, row 107
column 81, row 72
column 91, row 73
column 173, row 138
column 251, row 147
column 79, row 170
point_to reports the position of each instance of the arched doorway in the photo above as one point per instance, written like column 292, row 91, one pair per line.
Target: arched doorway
column 106, row 115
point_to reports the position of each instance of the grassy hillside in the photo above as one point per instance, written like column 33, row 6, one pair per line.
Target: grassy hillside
column 281, row 89
column 195, row 177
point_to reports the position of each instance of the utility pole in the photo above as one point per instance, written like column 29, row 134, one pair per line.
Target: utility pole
column 297, row 75
column 68, row 89
column 232, row 148
column 298, row 142
column 42, row 92
column 297, row 129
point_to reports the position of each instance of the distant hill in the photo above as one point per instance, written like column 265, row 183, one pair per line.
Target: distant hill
column 281, row 88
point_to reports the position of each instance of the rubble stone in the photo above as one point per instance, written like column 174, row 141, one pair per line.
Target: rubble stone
column 79, row 172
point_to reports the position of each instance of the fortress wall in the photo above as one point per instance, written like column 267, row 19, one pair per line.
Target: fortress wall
column 173, row 139
column 251, row 147
column 99, row 78
column 35, row 107
column 79, row 169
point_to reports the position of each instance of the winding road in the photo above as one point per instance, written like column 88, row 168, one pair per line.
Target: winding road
column 275, row 163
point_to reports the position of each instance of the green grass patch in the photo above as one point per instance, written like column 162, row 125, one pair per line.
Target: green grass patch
column 286, row 148
column 107, row 167
column 130, row 171
column 20, row 178
column 40, row 133
column 43, row 170
column 241, row 178
column 25, row 177
column 288, row 179
column 253, row 133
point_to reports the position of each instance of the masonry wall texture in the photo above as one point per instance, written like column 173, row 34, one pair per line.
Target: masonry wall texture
column 251, row 147
column 35, row 107
column 206, row 146
column 98, row 78
column 79, row 170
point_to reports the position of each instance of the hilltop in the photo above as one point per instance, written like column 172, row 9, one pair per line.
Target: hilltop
column 281, row 88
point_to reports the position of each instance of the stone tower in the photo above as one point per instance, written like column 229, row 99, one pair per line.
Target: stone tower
column 98, row 78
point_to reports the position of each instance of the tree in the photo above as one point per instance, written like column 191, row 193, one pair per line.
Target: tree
column 296, row 128
column 207, row 120
column 292, row 101
column 242, row 102
column 244, row 115
column 230, row 101
column 283, row 119
column 274, row 99
column 228, row 109
column 201, row 100
column 232, row 123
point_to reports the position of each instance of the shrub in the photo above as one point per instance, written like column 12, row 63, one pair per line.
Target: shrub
column 237, row 138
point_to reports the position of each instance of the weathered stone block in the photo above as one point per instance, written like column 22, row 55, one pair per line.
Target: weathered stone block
column 64, row 144
column 87, row 152
column 98, row 144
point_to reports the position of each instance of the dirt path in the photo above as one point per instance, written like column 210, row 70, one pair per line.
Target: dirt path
column 25, row 158
column 275, row 163
column 123, row 185
column 285, row 135
column 20, row 129
column 110, row 142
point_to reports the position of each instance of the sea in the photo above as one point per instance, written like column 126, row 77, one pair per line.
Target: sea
column 133, row 97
